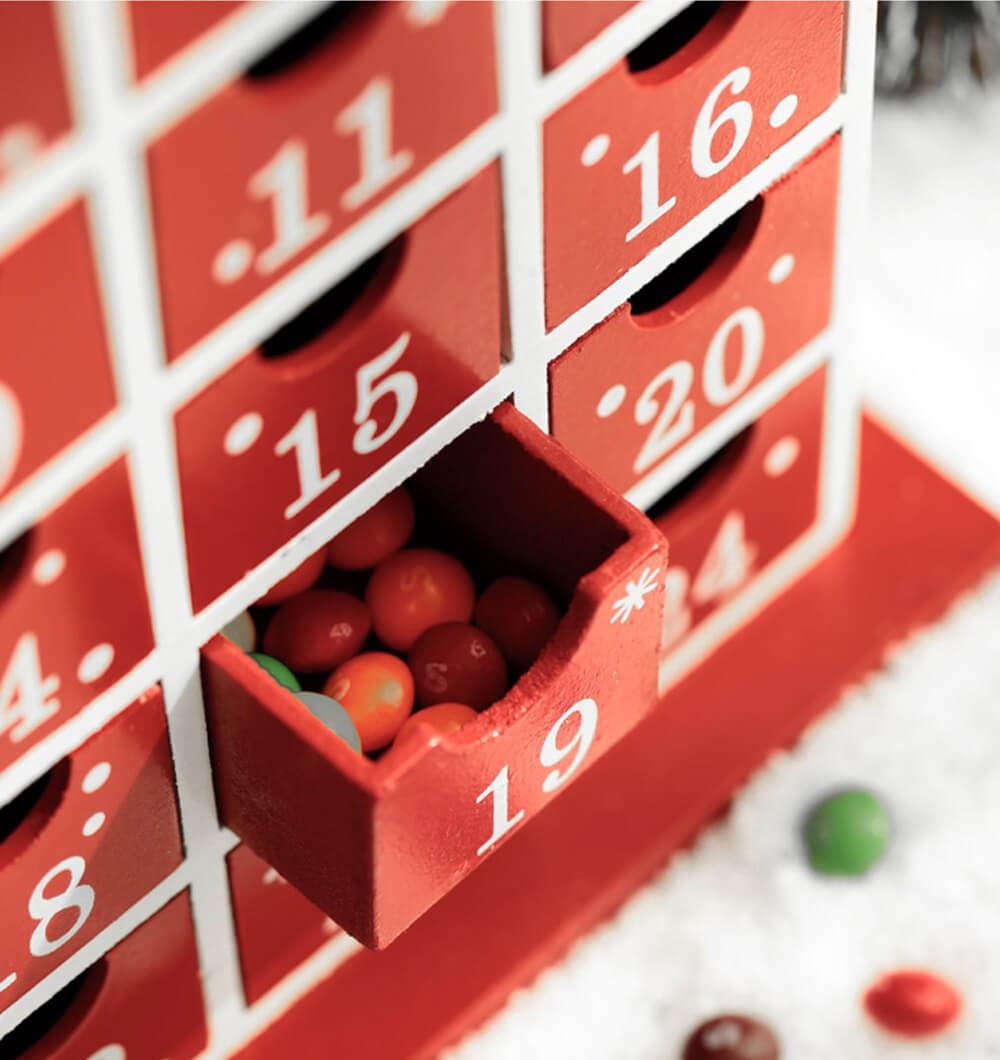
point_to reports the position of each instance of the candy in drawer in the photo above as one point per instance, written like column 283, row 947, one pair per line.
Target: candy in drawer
column 55, row 371
column 34, row 108
column 114, row 1010
column 398, row 831
column 647, row 146
column 733, row 517
column 85, row 842
column 705, row 332
column 315, row 134
column 340, row 389
column 74, row 616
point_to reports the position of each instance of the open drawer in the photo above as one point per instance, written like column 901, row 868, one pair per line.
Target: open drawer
column 376, row 843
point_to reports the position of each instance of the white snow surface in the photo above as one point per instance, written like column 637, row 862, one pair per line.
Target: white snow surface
column 741, row 923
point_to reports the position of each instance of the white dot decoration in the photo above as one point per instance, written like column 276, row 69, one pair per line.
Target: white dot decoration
column 96, row 778
column 611, row 400
column 48, row 566
column 19, row 144
column 93, row 824
column 596, row 149
column 95, row 663
column 783, row 110
column 243, row 433
column 232, row 261
column 781, row 456
column 781, row 269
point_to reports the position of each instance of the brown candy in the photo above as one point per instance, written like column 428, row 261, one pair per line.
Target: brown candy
column 457, row 663
column 731, row 1037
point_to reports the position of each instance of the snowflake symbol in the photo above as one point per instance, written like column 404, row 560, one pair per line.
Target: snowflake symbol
column 635, row 595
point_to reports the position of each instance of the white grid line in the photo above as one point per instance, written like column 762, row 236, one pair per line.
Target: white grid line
column 106, row 152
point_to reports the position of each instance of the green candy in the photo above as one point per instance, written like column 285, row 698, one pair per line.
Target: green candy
column 278, row 670
column 847, row 833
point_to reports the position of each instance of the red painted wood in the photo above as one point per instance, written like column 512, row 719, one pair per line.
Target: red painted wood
column 569, row 24
column 142, row 999
column 438, row 69
column 277, row 927
column 742, row 514
column 662, row 358
column 917, row 543
column 591, row 205
column 160, row 31
column 104, row 832
column 55, row 371
column 397, row 834
column 74, row 617
column 34, row 106
column 451, row 347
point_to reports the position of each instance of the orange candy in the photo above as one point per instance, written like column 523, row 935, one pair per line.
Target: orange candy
column 376, row 689
column 414, row 590
column 305, row 576
column 445, row 717
column 520, row 616
column 378, row 533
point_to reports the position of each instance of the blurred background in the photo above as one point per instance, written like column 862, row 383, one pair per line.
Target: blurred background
column 741, row 923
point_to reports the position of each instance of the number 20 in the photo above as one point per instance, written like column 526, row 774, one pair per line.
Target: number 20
column 551, row 755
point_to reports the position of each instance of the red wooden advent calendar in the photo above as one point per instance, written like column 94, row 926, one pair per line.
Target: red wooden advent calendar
column 578, row 274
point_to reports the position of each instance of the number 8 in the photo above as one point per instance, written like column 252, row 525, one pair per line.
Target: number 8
column 79, row 896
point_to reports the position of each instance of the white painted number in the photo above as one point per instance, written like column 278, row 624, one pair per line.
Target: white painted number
column 502, row 824
column 11, row 434
column 738, row 114
column 401, row 385
column 44, row 909
column 727, row 564
column 284, row 180
column 370, row 116
column 109, row 1052
column 303, row 440
column 751, row 326
column 647, row 161
column 675, row 422
column 551, row 754
column 27, row 698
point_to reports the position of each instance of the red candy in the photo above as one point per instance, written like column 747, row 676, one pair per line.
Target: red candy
column 913, row 1003
column 445, row 717
column 378, row 533
column 414, row 590
column 520, row 616
column 456, row 663
column 305, row 576
column 318, row 630
column 376, row 689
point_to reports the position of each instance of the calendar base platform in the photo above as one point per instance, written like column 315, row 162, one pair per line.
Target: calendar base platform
column 918, row 542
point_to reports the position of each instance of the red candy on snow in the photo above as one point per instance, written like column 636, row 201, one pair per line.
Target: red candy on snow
column 376, row 689
column 378, row 533
column 913, row 1003
column 318, row 630
column 454, row 662
column 305, row 576
column 414, row 590
column 520, row 616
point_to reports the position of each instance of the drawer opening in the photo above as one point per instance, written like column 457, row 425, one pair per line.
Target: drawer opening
column 24, row 817
column 13, row 560
column 334, row 19
column 315, row 331
column 689, row 35
column 698, row 271
column 55, row 1022
column 701, row 484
